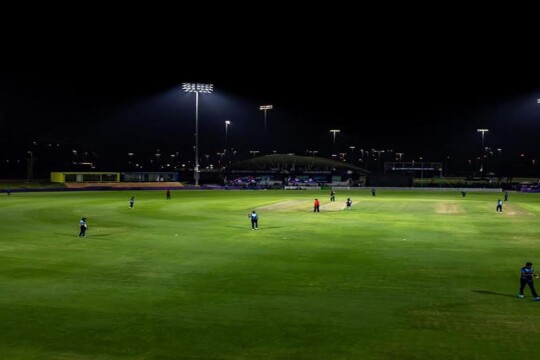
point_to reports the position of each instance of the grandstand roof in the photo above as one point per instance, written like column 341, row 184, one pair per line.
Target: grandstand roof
column 294, row 162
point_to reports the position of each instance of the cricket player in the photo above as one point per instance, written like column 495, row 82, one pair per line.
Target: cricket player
column 254, row 217
column 527, row 273
column 83, row 227
column 499, row 205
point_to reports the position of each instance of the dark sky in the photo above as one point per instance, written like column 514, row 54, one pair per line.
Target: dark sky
column 419, row 90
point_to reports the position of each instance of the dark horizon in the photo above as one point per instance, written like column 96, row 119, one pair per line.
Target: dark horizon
column 422, row 109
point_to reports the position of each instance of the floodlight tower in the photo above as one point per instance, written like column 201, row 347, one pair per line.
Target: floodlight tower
column 483, row 131
column 265, row 108
column 227, row 123
column 204, row 89
column 335, row 131
column 352, row 153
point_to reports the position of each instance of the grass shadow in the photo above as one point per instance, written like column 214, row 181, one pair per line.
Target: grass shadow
column 103, row 237
column 76, row 235
column 489, row 292
column 249, row 228
column 270, row 227
column 68, row 235
column 87, row 236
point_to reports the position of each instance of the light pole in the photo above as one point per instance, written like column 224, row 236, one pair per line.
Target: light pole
column 265, row 108
column 483, row 131
column 352, row 153
column 400, row 155
column 30, row 165
column 220, row 154
column 197, row 88
column 254, row 152
column 130, row 158
column 335, row 131
column 378, row 157
column 227, row 123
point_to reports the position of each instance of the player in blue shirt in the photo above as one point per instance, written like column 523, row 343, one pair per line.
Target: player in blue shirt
column 254, row 220
column 527, row 273
column 83, row 227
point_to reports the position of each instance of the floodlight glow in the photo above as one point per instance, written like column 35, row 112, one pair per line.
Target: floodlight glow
column 196, row 87
column 227, row 122
column 335, row 131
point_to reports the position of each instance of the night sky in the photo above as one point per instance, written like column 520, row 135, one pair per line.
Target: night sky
column 419, row 93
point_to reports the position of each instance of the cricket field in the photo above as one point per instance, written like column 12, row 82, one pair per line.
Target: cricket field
column 403, row 275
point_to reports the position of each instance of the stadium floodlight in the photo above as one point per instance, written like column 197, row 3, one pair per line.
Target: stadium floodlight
column 335, row 131
column 483, row 131
column 352, row 153
column 197, row 88
column 227, row 123
column 254, row 152
column 400, row 155
column 265, row 108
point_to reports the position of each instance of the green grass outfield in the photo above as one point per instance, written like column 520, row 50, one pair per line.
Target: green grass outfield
column 403, row 275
